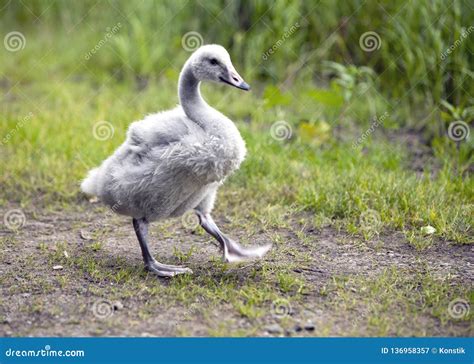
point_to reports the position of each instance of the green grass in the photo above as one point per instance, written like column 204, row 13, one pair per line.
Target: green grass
column 53, row 150
column 315, row 178
column 394, row 290
column 54, row 98
column 394, row 301
column 413, row 37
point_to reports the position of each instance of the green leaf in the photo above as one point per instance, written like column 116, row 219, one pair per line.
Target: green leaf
column 272, row 96
column 327, row 97
column 314, row 132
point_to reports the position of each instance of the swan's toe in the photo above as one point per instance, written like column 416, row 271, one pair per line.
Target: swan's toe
column 164, row 270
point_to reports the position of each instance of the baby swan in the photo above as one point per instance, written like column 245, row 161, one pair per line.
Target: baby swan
column 175, row 161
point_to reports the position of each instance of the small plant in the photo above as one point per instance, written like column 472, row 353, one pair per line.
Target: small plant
column 453, row 113
column 183, row 257
column 96, row 246
column 352, row 79
column 458, row 119
column 289, row 283
column 418, row 239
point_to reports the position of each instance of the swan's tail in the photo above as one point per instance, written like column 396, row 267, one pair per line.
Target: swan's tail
column 90, row 184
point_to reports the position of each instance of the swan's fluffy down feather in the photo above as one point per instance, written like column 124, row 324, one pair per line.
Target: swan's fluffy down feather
column 167, row 165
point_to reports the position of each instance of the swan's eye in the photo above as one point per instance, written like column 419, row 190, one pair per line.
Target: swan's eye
column 213, row 61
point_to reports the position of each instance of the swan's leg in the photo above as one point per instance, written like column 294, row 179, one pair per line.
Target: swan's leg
column 161, row 270
column 233, row 252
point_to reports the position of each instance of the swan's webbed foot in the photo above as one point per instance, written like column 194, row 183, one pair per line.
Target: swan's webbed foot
column 232, row 251
column 164, row 270
column 161, row 270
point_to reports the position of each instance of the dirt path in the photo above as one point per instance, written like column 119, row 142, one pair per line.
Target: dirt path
column 80, row 273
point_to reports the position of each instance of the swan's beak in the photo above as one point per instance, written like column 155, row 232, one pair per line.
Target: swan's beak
column 234, row 79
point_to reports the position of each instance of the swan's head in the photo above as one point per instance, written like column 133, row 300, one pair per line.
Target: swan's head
column 212, row 63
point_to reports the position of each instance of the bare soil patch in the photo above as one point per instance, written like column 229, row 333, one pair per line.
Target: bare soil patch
column 39, row 298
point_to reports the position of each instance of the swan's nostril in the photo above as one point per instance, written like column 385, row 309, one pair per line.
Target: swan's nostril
column 235, row 79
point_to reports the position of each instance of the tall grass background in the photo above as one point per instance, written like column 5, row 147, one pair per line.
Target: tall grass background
column 319, row 79
column 409, row 62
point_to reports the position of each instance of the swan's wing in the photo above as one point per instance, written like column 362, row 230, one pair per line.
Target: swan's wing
column 167, row 147
column 158, row 130
column 167, row 144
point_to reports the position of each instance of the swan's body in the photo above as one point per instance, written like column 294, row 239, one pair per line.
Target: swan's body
column 167, row 165
column 174, row 161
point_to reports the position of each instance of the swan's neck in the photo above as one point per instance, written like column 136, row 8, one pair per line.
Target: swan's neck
column 190, row 98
